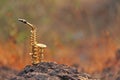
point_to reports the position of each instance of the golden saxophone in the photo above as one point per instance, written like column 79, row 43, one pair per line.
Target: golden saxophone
column 36, row 48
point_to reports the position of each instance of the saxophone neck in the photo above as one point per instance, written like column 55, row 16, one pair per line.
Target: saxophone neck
column 33, row 28
column 33, row 31
column 29, row 24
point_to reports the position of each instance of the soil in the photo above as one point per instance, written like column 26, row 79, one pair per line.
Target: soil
column 6, row 73
column 54, row 71
column 50, row 71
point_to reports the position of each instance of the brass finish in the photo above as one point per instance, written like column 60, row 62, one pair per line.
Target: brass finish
column 36, row 48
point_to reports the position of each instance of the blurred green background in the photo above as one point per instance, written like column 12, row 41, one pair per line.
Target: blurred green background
column 68, row 20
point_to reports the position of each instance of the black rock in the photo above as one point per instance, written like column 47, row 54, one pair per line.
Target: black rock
column 50, row 71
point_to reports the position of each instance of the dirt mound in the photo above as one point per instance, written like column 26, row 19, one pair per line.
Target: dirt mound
column 6, row 73
column 50, row 71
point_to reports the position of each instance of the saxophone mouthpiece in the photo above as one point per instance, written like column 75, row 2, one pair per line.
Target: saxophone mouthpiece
column 22, row 20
